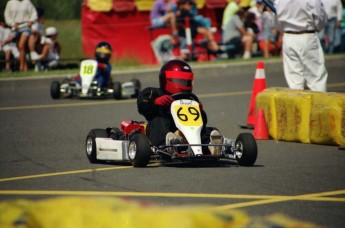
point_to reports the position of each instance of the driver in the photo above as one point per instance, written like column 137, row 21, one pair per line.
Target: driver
column 103, row 53
column 175, row 76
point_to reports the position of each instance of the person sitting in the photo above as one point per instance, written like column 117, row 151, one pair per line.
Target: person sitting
column 20, row 15
column 103, row 52
column 49, row 58
column 175, row 76
column 7, row 44
column 37, row 33
column 162, row 15
column 198, row 25
column 237, row 36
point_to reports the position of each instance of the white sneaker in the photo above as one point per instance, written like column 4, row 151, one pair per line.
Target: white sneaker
column 34, row 56
column 247, row 55
column 215, row 138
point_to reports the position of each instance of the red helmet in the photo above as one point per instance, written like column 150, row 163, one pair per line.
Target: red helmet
column 176, row 76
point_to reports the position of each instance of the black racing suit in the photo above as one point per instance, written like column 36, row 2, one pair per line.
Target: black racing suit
column 159, row 118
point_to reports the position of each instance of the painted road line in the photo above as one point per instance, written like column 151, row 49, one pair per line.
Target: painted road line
column 62, row 173
column 313, row 197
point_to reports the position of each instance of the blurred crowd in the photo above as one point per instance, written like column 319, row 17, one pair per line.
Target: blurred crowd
column 24, row 41
column 245, row 32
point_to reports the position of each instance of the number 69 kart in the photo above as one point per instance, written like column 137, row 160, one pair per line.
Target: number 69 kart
column 90, row 88
column 129, row 143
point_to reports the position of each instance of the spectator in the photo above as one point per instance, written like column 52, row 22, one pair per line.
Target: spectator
column 268, row 36
column 237, row 36
column 20, row 15
column 7, row 45
column 230, row 11
column 36, row 37
column 162, row 14
column 185, row 9
column 303, row 57
column 342, row 30
column 334, row 10
column 51, row 50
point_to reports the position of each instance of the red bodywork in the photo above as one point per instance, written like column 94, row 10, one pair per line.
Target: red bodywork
column 128, row 126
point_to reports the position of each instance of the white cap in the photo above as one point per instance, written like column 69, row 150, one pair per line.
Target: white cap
column 50, row 31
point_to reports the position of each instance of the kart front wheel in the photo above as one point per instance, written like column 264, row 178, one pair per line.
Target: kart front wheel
column 139, row 150
column 246, row 149
column 90, row 143
column 117, row 93
column 55, row 90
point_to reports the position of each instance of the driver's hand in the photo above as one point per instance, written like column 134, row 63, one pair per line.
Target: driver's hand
column 164, row 100
column 102, row 66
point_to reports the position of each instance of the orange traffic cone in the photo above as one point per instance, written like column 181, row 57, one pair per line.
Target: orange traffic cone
column 260, row 130
column 259, row 85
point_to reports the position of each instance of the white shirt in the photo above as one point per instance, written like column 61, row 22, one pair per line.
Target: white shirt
column 18, row 12
column 333, row 8
column 300, row 15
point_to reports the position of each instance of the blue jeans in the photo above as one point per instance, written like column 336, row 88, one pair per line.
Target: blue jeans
column 329, row 31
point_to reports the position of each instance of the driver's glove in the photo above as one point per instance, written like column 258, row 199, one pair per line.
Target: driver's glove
column 164, row 100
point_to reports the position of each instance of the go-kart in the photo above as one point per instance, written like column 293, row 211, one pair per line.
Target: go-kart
column 129, row 143
column 89, row 87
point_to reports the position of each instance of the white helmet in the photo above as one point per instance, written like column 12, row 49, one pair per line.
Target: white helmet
column 50, row 31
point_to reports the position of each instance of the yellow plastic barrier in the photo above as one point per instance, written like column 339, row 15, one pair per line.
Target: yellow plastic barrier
column 101, row 212
column 304, row 116
column 293, row 116
column 327, row 120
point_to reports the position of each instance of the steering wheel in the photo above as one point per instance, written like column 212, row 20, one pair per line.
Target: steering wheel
column 185, row 95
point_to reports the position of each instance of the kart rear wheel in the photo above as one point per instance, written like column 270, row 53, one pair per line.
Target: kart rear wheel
column 246, row 149
column 139, row 150
column 137, row 87
column 55, row 90
column 90, row 143
column 117, row 93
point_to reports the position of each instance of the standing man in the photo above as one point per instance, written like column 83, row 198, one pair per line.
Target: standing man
column 303, row 57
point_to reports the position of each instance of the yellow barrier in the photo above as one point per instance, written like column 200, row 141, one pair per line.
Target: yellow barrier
column 65, row 212
column 304, row 116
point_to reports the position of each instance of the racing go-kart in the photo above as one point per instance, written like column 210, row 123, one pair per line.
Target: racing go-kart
column 129, row 143
column 89, row 87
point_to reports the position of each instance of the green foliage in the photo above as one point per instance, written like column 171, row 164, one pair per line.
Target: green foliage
column 55, row 9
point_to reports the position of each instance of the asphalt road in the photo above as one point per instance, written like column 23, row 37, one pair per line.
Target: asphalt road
column 42, row 151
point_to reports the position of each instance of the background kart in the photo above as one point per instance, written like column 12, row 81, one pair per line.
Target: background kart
column 129, row 143
column 89, row 87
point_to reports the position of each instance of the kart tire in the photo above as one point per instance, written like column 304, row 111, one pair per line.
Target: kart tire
column 55, row 90
column 137, row 87
column 246, row 149
column 90, row 143
column 139, row 150
column 117, row 93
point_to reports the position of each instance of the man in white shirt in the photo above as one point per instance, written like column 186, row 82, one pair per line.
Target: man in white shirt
column 303, row 57
column 334, row 10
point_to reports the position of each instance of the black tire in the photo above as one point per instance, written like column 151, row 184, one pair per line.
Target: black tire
column 139, row 150
column 246, row 149
column 55, row 90
column 137, row 87
column 117, row 93
column 90, row 143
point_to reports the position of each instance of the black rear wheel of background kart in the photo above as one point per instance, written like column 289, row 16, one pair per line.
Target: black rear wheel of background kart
column 90, row 143
column 137, row 87
column 55, row 90
column 246, row 149
column 139, row 150
column 117, row 93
